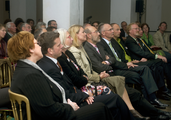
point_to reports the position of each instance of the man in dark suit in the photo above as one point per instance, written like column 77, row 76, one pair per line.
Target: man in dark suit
column 114, row 66
column 11, row 30
column 52, row 49
column 123, row 53
column 123, row 30
column 140, row 51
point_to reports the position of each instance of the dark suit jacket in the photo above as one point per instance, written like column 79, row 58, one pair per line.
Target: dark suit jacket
column 136, row 51
column 73, row 73
column 122, row 33
column 53, row 71
column 45, row 98
column 97, row 58
column 120, row 52
column 120, row 65
column 7, row 37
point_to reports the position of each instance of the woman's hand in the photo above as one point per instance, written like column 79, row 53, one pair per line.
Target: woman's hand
column 73, row 104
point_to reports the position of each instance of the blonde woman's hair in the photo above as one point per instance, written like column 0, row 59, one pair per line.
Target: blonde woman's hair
column 73, row 31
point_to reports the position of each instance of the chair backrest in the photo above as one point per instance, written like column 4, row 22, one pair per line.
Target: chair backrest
column 18, row 98
column 5, row 73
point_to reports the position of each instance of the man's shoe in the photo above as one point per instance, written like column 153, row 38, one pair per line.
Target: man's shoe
column 163, row 96
column 156, row 103
column 165, row 113
column 167, row 94
column 136, row 114
column 163, row 117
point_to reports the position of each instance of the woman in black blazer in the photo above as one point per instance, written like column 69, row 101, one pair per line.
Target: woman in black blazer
column 46, row 96
column 74, row 71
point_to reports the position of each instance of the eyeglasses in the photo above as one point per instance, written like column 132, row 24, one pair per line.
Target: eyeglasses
column 95, row 31
column 136, row 28
column 109, row 29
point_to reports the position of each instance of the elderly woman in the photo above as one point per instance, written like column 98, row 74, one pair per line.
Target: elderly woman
column 46, row 96
column 80, row 78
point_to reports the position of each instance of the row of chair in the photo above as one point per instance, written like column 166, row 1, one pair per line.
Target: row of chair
column 6, row 70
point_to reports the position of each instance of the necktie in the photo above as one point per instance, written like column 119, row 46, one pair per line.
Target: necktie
column 60, row 67
column 116, row 56
column 138, row 43
column 97, row 49
column 147, row 46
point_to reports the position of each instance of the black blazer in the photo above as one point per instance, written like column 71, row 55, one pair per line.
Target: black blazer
column 119, row 65
column 53, row 71
column 122, row 33
column 119, row 49
column 7, row 37
column 135, row 50
column 97, row 58
column 73, row 73
column 45, row 98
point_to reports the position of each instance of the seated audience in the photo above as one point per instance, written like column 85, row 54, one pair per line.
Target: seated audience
column 52, row 49
column 46, row 96
column 3, row 45
column 40, row 25
column 51, row 28
column 79, row 78
column 148, row 38
column 11, row 30
column 102, row 61
column 25, row 27
column 18, row 23
column 95, row 24
column 161, row 39
column 52, row 23
column 140, row 51
column 123, row 30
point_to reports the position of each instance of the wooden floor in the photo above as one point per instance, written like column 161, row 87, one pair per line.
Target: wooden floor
column 168, row 109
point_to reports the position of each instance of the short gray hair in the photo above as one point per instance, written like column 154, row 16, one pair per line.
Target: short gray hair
column 62, row 35
column 39, row 24
column 23, row 25
column 8, row 25
column 101, row 27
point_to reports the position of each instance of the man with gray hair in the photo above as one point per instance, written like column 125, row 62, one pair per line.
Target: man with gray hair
column 25, row 27
column 11, row 30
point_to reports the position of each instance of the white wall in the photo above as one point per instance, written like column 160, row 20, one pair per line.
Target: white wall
column 165, row 15
column 123, row 10
column 65, row 12
column 153, row 13
column 23, row 9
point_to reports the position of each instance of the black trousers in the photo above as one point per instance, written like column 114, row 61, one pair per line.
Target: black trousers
column 116, row 105
column 96, row 111
column 141, row 104
column 159, row 69
column 139, row 75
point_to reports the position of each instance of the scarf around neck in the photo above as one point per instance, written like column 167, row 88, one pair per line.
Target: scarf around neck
column 53, row 81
